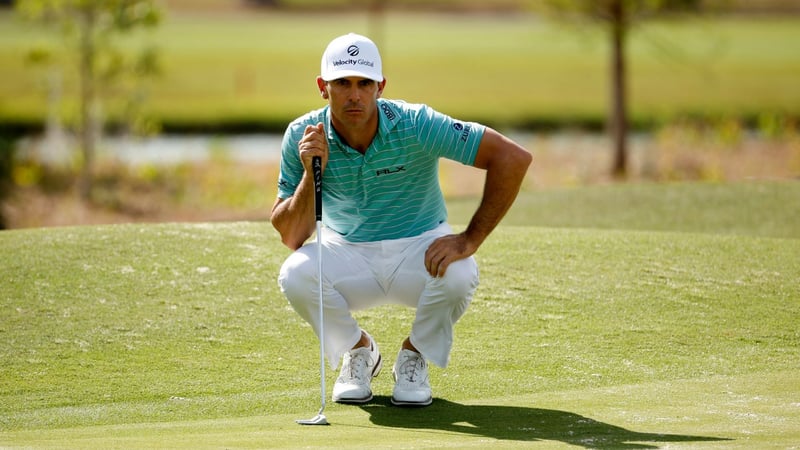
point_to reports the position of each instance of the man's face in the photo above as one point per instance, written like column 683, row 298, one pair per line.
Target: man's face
column 353, row 100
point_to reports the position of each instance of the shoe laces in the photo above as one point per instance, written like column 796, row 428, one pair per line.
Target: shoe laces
column 412, row 369
column 356, row 364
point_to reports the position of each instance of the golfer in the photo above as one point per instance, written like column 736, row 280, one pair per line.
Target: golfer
column 385, row 238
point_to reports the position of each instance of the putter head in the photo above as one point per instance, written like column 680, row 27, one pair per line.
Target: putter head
column 319, row 419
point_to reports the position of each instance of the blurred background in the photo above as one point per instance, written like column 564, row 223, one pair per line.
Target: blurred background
column 173, row 110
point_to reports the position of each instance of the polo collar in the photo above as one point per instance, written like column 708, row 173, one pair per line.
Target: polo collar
column 388, row 118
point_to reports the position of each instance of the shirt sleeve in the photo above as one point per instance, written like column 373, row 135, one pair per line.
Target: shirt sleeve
column 448, row 137
column 291, row 170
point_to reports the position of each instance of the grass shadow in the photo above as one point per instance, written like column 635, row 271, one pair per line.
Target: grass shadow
column 517, row 423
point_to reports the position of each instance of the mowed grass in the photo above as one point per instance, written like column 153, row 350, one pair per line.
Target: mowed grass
column 503, row 70
column 754, row 208
column 176, row 336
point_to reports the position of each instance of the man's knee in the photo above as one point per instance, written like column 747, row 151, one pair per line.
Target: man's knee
column 297, row 275
column 460, row 279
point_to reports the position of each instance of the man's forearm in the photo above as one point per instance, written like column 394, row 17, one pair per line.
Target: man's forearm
column 293, row 217
column 504, row 178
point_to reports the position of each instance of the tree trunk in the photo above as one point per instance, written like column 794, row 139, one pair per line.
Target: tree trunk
column 88, row 110
column 618, row 118
column 375, row 25
column 6, row 162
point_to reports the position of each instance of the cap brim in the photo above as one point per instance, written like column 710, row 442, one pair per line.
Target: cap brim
column 350, row 73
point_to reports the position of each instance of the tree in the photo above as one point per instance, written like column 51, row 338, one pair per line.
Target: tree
column 90, row 29
column 618, row 16
column 6, row 157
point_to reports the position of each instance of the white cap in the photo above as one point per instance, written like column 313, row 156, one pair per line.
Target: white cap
column 351, row 55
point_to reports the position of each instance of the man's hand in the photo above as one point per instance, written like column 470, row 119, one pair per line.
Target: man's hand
column 313, row 143
column 293, row 217
column 446, row 250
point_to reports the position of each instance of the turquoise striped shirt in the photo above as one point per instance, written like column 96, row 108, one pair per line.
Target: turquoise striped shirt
column 392, row 191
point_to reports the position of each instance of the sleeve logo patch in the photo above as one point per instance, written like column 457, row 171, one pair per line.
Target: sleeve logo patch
column 465, row 130
column 387, row 111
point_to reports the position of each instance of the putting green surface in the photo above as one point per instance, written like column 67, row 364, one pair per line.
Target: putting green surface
column 743, row 412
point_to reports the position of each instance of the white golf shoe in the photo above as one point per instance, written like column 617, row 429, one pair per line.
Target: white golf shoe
column 412, row 384
column 359, row 366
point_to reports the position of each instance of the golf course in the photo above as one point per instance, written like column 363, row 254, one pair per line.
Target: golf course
column 581, row 335
column 658, row 313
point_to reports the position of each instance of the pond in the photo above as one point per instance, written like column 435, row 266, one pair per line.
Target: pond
column 171, row 149
column 162, row 150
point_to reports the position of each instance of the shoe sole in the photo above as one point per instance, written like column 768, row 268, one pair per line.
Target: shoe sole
column 353, row 401
column 357, row 401
column 427, row 402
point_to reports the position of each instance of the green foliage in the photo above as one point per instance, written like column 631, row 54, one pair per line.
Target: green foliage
column 111, row 15
column 88, row 29
column 88, row 34
column 99, row 22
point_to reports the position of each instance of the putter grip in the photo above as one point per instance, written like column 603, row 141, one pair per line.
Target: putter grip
column 316, row 164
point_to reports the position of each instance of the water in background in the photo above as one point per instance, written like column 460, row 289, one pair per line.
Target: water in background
column 251, row 148
column 163, row 150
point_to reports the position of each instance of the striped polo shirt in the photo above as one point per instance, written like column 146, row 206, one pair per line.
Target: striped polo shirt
column 392, row 191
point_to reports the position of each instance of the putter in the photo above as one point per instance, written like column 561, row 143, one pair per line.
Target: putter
column 319, row 419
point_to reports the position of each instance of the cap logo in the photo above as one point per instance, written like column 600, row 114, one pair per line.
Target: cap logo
column 351, row 55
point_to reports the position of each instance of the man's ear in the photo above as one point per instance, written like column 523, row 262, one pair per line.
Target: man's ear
column 381, row 86
column 322, row 85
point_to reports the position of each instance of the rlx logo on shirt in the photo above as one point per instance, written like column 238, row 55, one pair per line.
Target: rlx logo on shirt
column 390, row 171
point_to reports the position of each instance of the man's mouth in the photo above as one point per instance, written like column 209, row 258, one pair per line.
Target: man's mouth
column 353, row 108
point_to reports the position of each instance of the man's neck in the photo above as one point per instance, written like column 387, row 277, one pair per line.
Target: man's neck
column 359, row 138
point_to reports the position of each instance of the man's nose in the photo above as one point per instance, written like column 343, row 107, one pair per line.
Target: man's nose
column 354, row 94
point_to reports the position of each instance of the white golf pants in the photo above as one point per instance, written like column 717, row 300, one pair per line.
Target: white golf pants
column 363, row 275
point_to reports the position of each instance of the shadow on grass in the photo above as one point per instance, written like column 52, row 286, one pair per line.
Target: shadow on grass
column 517, row 424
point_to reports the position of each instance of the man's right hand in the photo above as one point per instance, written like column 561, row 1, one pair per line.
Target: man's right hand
column 294, row 217
column 313, row 143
